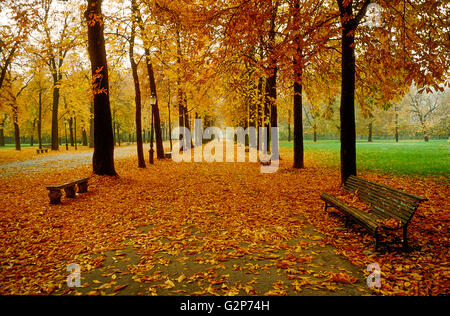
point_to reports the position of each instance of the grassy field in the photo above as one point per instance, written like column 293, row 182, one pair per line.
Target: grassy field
column 405, row 157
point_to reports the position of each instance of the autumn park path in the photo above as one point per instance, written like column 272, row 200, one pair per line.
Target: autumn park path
column 199, row 229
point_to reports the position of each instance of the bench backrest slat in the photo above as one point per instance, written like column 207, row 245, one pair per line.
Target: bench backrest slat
column 67, row 184
column 370, row 196
column 385, row 201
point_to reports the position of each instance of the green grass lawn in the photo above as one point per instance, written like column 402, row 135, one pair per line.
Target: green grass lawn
column 405, row 157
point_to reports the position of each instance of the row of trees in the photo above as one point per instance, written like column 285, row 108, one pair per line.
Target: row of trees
column 248, row 63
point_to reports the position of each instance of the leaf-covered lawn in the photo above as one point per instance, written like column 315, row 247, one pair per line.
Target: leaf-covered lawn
column 210, row 229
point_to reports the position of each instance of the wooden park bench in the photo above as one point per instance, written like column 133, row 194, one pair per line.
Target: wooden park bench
column 69, row 187
column 168, row 155
column 385, row 203
column 43, row 149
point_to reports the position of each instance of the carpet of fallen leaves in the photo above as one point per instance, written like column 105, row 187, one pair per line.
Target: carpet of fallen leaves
column 215, row 213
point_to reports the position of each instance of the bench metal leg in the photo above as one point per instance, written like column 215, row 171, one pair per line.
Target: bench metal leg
column 326, row 206
column 82, row 187
column 70, row 191
column 55, row 196
column 376, row 241
column 405, row 238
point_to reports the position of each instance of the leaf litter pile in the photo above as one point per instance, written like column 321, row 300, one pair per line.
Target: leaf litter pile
column 211, row 229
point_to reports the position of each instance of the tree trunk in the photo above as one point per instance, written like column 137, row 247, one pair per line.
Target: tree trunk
column 2, row 136
column 425, row 134
column 347, row 108
column 396, row 125
column 260, row 111
column 75, row 131
column 103, row 158
column 91, row 126
column 118, row 134
column 137, row 96
column 297, row 64
column 155, row 109
column 40, row 120
column 298, row 113
column 170, row 124
column 17, row 135
column 289, row 125
column 84, row 137
column 369, row 138
column 32, row 133
column 55, row 105
column 71, row 131
column 315, row 132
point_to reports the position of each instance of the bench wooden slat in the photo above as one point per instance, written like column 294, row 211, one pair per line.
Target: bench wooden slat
column 387, row 207
column 360, row 216
column 399, row 200
column 394, row 206
column 62, row 186
column 388, row 189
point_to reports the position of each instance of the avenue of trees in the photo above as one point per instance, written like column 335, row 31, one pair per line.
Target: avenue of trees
column 87, row 70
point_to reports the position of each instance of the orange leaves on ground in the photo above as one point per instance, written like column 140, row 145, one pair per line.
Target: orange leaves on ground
column 342, row 277
column 231, row 219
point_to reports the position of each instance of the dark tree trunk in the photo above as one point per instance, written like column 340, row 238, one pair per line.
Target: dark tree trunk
column 103, row 158
column 40, row 120
column 260, row 111
column 71, row 131
column 2, row 136
column 84, row 137
column 75, row 131
column 297, row 65
column 289, row 125
column 347, row 108
column 396, row 126
column 271, row 92
column 91, row 127
column 156, row 121
column 155, row 109
column 32, row 133
column 298, row 113
column 55, row 105
column 17, row 135
column 170, row 124
column 369, row 138
column 137, row 97
column 315, row 132
column 269, row 102
column 118, row 134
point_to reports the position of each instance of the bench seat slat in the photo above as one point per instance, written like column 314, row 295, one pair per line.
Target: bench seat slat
column 367, row 220
column 67, row 184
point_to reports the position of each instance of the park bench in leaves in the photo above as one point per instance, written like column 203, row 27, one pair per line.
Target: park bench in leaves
column 390, row 209
column 43, row 149
column 70, row 189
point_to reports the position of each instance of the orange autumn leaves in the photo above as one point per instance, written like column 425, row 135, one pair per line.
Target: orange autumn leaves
column 224, row 219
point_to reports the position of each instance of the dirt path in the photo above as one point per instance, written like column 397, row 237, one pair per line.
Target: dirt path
column 45, row 163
